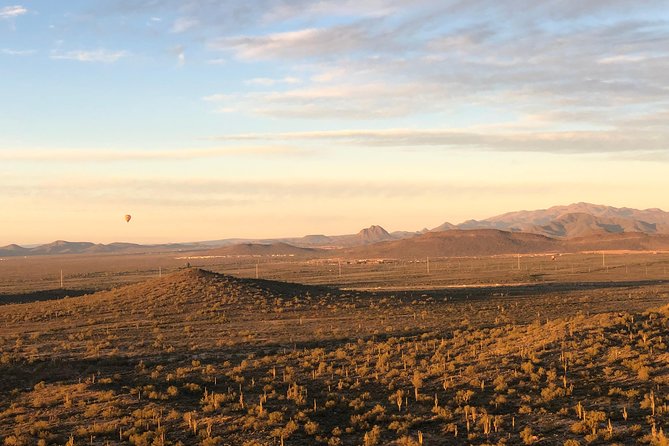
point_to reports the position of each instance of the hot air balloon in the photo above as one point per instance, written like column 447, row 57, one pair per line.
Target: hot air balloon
column 127, row 217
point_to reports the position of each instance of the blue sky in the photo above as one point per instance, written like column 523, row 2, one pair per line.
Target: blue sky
column 213, row 119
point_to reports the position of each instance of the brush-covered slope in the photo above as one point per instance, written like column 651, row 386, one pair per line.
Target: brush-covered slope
column 477, row 242
column 190, row 307
column 579, row 224
column 264, row 249
column 171, row 361
column 13, row 250
column 633, row 241
column 486, row 242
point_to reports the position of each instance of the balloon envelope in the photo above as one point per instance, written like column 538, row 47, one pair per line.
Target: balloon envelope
column 127, row 217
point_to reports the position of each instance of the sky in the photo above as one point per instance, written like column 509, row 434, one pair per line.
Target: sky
column 212, row 119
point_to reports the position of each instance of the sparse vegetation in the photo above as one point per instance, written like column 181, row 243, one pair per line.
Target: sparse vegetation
column 200, row 358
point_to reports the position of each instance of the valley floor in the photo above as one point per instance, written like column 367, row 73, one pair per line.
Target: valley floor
column 202, row 358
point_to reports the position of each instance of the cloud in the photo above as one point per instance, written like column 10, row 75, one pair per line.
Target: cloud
column 268, row 82
column 286, row 10
column 430, row 56
column 10, row 12
column 406, row 68
column 99, row 55
column 565, row 142
column 180, row 53
column 249, row 192
column 103, row 155
column 350, row 100
column 183, row 24
column 658, row 156
column 622, row 59
column 320, row 43
column 229, row 16
column 582, row 76
column 217, row 97
column 11, row 52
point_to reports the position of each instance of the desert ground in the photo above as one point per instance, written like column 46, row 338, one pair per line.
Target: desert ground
column 88, row 273
column 146, row 350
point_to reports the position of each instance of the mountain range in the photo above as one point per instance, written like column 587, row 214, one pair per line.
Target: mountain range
column 366, row 236
column 64, row 247
column 488, row 242
column 574, row 220
column 560, row 228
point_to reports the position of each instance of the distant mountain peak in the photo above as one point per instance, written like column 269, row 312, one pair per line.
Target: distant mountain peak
column 373, row 229
column 446, row 226
column 374, row 233
column 14, row 247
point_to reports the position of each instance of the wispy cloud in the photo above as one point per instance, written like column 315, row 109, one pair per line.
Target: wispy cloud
column 268, row 82
column 306, row 43
column 11, row 52
column 229, row 16
column 247, row 192
column 346, row 100
column 105, row 155
column 9, row 12
column 369, row 70
column 183, row 24
column 415, row 63
column 217, row 61
column 217, row 97
column 396, row 58
column 565, row 142
column 342, row 8
column 98, row 55
column 180, row 52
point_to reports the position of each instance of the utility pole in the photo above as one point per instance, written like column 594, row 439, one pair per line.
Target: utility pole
column 603, row 260
column 518, row 262
column 256, row 270
column 61, row 278
column 428, row 265
column 160, row 271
